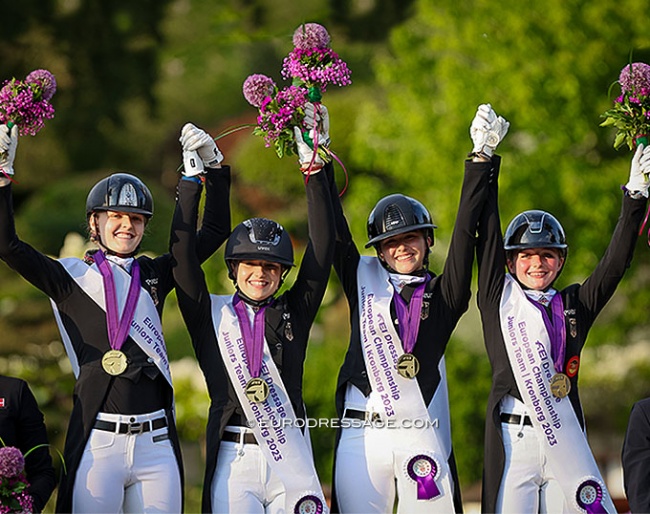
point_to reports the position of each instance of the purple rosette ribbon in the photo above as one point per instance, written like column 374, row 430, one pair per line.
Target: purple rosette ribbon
column 423, row 470
column 309, row 504
column 589, row 497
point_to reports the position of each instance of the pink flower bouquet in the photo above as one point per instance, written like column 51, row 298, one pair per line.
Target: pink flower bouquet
column 279, row 111
column 26, row 103
column 312, row 63
column 630, row 114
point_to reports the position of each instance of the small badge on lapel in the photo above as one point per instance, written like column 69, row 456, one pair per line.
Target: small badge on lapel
column 424, row 313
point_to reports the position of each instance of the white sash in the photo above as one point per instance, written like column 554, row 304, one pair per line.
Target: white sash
column 563, row 441
column 146, row 328
column 273, row 420
column 401, row 397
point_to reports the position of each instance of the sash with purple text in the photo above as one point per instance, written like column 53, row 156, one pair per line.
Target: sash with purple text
column 564, row 443
column 273, row 421
column 146, row 327
column 403, row 406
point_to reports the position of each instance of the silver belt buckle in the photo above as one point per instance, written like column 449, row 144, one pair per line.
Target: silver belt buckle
column 135, row 429
column 373, row 417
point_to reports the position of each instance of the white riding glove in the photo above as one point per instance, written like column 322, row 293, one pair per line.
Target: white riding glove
column 192, row 163
column 487, row 130
column 318, row 116
column 8, row 145
column 193, row 138
column 310, row 161
column 640, row 171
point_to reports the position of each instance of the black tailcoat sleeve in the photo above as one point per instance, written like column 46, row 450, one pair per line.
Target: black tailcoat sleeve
column 636, row 458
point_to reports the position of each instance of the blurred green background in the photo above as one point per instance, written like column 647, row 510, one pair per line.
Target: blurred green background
column 130, row 74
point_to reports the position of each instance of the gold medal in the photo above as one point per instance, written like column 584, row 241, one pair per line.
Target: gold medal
column 408, row 365
column 560, row 385
column 257, row 390
column 114, row 362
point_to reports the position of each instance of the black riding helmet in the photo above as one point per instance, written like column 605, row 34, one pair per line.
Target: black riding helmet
column 121, row 192
column 258, row 238
column 535, row 229
column 397, row 214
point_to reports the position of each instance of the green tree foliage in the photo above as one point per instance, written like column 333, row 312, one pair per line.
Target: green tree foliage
column 132, row 73
column 546, row 67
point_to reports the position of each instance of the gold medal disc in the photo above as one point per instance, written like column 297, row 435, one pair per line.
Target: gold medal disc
column 560, row 385
column 114, row 362
column 257, row 390
column 408, row 365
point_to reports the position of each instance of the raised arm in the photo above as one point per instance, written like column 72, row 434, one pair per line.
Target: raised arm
column 308, row 290
column 487, row 130
column 191, row 289
column 43, row 272
column 346, row 253
column 490, row 256
column 599, row 287
column 216, row 225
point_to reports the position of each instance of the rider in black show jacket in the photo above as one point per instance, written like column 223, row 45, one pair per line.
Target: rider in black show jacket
column 448, row 295
column 582, row 303
column 288, row 319
column 85, row 322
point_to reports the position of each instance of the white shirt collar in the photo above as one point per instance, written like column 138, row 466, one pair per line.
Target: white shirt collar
column 542, row 297
column 121, row 261
column 399, row 281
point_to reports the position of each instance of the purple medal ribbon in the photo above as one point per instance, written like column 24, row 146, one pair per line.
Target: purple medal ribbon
column 409, row 316
column 589, row 497
column 253, row 336
column 423, row 470
column 118, row 328
column 556, row 329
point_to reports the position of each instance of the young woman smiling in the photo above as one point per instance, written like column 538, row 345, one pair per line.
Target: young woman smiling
column 391, row 397
column 537, row 458
column 122, row 451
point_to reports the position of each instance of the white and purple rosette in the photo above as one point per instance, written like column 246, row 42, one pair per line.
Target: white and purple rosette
column 589, row 496
column 309, row 504
column 423, row 470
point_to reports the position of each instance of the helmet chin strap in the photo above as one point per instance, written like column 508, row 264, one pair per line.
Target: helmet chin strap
column 108, row 251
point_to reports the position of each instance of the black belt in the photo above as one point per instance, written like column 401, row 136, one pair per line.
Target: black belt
column 515, row 419
column 130, row 428
column 235, row 437
column 361, row 414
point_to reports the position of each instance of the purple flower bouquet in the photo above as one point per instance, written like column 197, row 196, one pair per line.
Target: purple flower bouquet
column 279, row 111
column 311, row 66
column 13, row 483
column 630, row 114
column 26, row 103
column 312, row 63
